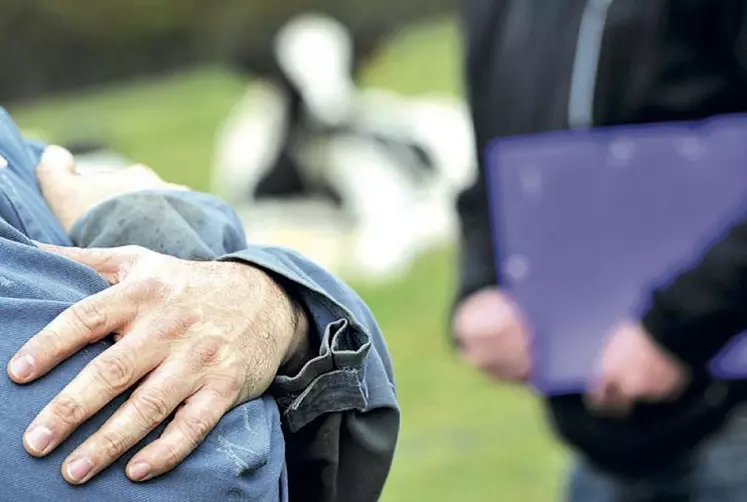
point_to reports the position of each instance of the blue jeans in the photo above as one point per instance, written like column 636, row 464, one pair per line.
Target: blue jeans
column 715, row 472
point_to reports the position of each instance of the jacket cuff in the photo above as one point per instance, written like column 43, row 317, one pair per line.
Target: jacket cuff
column 334, row 380
column 692, row 340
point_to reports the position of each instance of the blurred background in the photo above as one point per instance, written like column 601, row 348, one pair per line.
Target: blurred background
column 340, row 132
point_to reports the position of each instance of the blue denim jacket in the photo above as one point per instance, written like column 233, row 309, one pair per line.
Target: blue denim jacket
column 327, row 433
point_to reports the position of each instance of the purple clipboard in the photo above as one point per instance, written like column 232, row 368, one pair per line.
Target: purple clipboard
column 586, row 223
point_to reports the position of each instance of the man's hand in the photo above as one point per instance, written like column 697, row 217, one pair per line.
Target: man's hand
column 199, row 337
column 70, row 195
column 492, row 335
column 634, row 369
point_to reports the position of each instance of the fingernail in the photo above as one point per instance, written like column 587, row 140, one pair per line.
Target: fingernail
column 139, row 471
column 38, row 438
column 21, row 367
column 79, row 468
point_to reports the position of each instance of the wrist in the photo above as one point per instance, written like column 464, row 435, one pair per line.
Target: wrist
column 294, row 342
column 300, row 349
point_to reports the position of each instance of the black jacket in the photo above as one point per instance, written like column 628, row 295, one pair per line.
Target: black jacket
column 541, row 65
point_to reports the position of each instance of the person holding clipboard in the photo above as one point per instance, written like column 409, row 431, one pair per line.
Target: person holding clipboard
column 655, row 427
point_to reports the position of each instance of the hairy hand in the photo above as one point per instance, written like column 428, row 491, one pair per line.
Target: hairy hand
column 197, row 337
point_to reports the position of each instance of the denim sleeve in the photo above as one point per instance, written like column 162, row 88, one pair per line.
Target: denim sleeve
column 187, row 225
column 343, row 402
column 340, row 411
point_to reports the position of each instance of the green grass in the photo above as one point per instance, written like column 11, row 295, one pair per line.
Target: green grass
column 463, row 438
column 167, row 123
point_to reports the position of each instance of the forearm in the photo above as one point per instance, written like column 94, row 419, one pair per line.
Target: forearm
column 699, row 312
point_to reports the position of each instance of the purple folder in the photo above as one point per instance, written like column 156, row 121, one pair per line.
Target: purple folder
column 586, row 223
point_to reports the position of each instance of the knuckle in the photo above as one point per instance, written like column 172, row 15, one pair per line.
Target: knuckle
column 182, row 316
column 227, row 387
column 151, row 287
column 100, row 255
column 169, row 455
column 51, row 343
column 115, row 371
column 208, row 350
column 234, row 385
column 188, row 313
column 90, row 317
column 167, row 329
column 151, row 406
column 103, row 258
column 69, row 411
column 195, row 428
column 113, row 445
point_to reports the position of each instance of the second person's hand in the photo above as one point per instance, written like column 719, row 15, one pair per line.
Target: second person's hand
column 634, row 369
column 493, row 336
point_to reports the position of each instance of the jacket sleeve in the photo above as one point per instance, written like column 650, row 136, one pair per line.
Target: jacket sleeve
column 703, row 308
column 477, row 268
column 340, row 412
column 699, row 311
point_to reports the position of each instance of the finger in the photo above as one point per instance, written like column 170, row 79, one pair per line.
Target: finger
column 112, row 264
column 86, row 322
column 608, row 399
column 602, row 395
column 620, row 404
column 657, row 391
column 110, row 374
column 191, row 425
column 57, row 165
column 596, row 399
column 514, row 366
column 154, row 400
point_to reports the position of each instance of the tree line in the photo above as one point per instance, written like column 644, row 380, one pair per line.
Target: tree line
column 48, row 46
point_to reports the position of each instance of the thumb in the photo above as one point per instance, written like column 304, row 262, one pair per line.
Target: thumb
column 112, row 264
column 57, row 165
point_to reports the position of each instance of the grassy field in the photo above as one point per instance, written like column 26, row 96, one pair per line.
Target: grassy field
column 463, row 438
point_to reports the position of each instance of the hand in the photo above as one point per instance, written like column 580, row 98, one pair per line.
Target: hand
column 205, row 336
column 70, row 195
column 492, row 335
column 634, row 369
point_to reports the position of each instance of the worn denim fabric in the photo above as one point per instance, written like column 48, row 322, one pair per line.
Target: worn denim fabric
column 715, row 472
column 340, row 412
